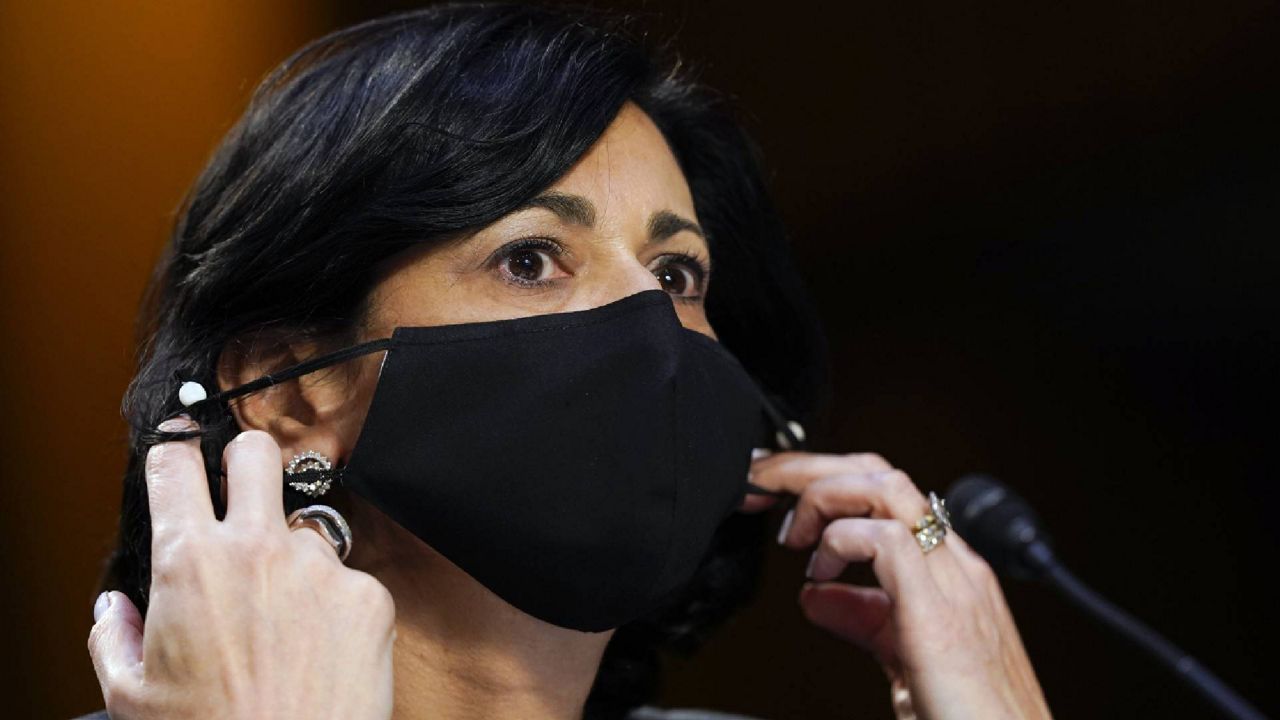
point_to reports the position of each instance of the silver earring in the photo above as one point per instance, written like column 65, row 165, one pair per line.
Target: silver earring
column 310, row 473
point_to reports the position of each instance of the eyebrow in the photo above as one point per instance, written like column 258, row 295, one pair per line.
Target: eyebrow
column 577, row 210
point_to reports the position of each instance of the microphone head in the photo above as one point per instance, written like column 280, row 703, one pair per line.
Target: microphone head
column 999, row 525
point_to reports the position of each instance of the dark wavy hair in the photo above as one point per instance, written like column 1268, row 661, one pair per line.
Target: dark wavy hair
column 412, row 129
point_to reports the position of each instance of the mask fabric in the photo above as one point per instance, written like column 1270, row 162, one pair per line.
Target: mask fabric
column 576, row 464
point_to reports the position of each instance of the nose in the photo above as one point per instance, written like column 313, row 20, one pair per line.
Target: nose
column 626, row 276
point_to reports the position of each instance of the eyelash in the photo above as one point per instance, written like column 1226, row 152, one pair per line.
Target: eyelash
column 699, row 266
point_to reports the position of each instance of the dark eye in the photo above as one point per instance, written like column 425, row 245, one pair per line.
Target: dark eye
column 529, row 265
column 681, row 276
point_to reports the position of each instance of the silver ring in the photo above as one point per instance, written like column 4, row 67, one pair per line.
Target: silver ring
column 931, row 529
column 326, row 521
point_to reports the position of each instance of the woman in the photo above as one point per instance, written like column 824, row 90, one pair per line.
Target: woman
column 487, row 233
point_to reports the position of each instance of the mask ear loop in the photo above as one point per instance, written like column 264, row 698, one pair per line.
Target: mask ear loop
column 192, row 394
column 788, row 435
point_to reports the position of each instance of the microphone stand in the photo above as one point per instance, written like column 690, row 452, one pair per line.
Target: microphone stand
column 1040, row 556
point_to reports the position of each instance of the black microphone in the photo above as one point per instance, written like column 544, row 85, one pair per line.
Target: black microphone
column 1003, row 528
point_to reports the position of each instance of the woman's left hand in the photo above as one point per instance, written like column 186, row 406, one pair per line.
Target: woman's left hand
column 938, row 623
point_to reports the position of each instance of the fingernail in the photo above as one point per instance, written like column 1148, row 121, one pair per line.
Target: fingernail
column 757, row 453
column 808, row 570
column 178, row 423
column 100, row 605
column 786, row 525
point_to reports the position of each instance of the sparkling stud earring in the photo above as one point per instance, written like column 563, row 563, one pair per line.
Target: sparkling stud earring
column 310, row 473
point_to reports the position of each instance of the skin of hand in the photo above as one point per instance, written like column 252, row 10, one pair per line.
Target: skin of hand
column 938, row 624
column 242, row 608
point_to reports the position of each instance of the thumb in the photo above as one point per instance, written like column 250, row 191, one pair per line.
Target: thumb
column 861, row 615
column 115, row 643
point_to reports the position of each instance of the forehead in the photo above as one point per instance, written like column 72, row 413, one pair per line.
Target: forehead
column 630, row 170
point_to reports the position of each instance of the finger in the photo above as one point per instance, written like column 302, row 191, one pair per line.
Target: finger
column 255, row 479
column 757, row 499
column 965, row 555
column 890, row 548
column 753, row 503
column 834, row 462
column 879, row 495
column 979, row 574
column 882, row 495
column 793, row 471
column 854, row 461
column 861, row 615
column 905, row 502
column 310, row 540
column 115, row 644
column 177, row 491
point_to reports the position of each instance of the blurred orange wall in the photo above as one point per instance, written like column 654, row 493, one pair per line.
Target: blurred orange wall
column 107, row 112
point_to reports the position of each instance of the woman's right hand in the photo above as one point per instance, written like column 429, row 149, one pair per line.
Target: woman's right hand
column 247, row 619
column 937, row 623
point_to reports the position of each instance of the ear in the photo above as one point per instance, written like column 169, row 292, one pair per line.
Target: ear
column 311, row 412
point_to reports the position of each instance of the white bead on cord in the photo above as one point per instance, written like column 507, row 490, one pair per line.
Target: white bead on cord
column 796, row 429
column 191, row 393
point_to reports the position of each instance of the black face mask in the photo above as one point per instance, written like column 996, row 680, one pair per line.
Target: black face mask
column 576, row 464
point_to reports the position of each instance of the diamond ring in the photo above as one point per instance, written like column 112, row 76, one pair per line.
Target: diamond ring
column 932, row 528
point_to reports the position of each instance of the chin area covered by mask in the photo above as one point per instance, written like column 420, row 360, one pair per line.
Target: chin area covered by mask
column 576, row 464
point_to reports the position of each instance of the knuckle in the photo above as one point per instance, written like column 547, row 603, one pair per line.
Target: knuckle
column 982, row 572
column 832, row 536
column 820, row 493
column 974, row 564
column 170, row 558
column 252, row 543
column 372, row 589
column 254, row 440
column 839, row 536
column 372, row 594
column 119, row 697
column 894, row 534
column 873, row 461
column 309, row 548
column 383, row 603
column 897, row 482
column 830, row 492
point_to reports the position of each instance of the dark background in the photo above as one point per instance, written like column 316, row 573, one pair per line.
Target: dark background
column 1042, row 237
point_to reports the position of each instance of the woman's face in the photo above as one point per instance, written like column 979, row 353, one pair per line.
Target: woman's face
column 620, row 221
